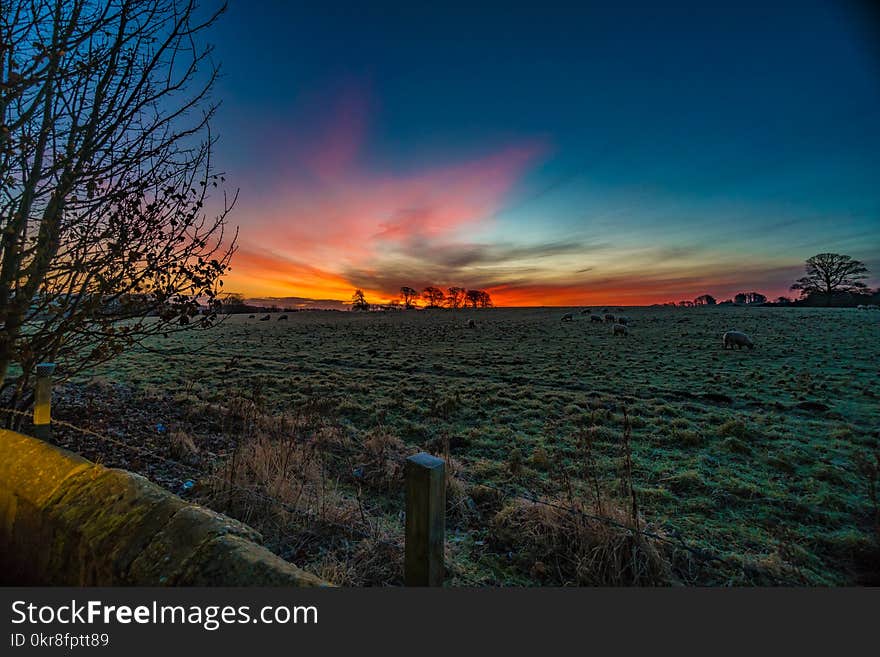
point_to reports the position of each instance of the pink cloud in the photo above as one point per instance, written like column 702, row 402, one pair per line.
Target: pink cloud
column 330, row 208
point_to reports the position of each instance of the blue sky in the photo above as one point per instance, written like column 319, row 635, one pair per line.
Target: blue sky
column 593, row 153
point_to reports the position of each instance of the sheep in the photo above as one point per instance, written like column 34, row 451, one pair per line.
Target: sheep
column 861, row 306
column 619, row 329
column 737, row 339
column 265, row 319
column 623, row 320
column 251, row 316
column 609, row 318
column 872, row 306
column 280, row 317
column 596, row 318
column 585, row 311
column 471, row 324
column 567, row 317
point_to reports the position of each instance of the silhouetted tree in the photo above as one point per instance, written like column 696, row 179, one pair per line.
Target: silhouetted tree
column 105, row 167
column 705, row 300
column 829, row 274
column 455, row 297
column 485, row 300
column 686, row 304
column 233, row 302
column 472, row 297
column 434, row 296
column 408, row 295
column 750, row 297
column 359, row 301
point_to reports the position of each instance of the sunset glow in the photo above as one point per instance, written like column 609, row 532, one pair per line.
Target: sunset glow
column 567, row 169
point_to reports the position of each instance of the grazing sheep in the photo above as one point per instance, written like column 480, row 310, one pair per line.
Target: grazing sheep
column 861, row 306
column 280, row 317
column 737, row 339
column 609, row 318
column 872, row 306
column 622, row 320
column 471, row 324
column 251, row 316
column 265, row 319
column 619, row 329
column 596, row 318
column 567, row 317
column 585, row 311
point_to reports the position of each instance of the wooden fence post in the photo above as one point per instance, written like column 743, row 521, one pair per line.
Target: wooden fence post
column 43, row 401
column 425, row 520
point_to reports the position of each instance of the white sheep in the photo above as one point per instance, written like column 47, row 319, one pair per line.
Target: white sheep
column 585, row 311
column 609, row 318
column 622, row 320
column 861, row 306
column 567, row 317
column 596, row 318
column 872, row 306
column 619, row 329
column 736, row 339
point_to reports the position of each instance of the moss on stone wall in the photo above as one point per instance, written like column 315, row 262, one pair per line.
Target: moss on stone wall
column 67, row 521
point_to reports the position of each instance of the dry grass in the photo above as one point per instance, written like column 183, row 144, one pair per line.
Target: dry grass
column 370, row 563
column 182, row 447
column 297, row 479
column 557, row 546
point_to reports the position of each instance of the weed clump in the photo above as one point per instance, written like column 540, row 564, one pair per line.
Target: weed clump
column 540, row 459
column 381, row 460
column 737, row 429
column 689, row 438
column 569, row 548
column 515, row 461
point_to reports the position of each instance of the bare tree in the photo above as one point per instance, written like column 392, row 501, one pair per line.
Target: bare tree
column 750, row 297
column 105, row 163
column 408, row 295
column 455, row 297
column 829, row 274
column 233, row 302
column 434, row 296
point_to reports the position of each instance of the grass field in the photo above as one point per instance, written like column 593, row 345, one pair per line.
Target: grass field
column 764, row 457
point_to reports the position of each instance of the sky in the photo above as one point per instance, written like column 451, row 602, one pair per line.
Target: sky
column 549, row 153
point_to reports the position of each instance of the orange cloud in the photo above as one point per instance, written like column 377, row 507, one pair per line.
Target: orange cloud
column 260, row 272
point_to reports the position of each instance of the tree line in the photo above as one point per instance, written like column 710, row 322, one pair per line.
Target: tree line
column 831, row 279
column 433, row 297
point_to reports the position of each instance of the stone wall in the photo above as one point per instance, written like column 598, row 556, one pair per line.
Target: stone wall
column 67, row 521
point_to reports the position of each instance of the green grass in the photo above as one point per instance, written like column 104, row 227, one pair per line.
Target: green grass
column 721, row 452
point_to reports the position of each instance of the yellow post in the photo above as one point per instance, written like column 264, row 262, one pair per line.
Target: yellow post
column 43, row 401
